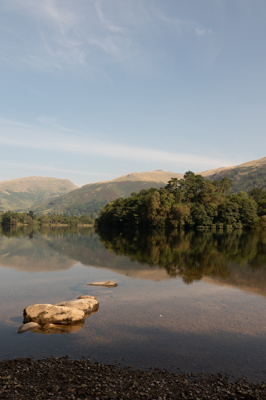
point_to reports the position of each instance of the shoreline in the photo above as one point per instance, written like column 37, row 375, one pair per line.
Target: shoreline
column 66, row 378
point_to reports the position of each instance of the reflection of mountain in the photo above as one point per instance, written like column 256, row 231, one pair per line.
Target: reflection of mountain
column 31, row 255
column 60, row 248
column 236, row 258
column 250, row 280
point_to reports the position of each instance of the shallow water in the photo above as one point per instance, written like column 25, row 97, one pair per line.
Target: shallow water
column 187, row 301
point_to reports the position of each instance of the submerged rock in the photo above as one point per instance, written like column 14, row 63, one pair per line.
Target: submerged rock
column 85, row 305
column 27, row 327
column 105, row 284
column 49, row 314
column 86, row 296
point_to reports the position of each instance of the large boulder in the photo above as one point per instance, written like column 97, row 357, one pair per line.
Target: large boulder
column 49, row 314
column 86, row 305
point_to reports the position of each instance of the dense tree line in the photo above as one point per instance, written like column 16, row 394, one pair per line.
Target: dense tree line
column 191, row 202
column 15, row 218
column 91, row 208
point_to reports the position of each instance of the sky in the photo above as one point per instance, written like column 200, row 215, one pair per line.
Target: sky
column 95, row 89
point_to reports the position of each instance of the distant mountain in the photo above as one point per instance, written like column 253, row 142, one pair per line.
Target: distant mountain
column 52, row 195
column 244, row 176
column 92, row 197
column 24, row 193
column 153, row 176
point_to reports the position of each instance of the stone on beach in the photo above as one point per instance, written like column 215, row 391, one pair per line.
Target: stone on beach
column 49, row 314
column 85, row 305
column 105, row 284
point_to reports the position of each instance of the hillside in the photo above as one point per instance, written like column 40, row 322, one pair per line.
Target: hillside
column 92, row 197
column 52, row 195
column 24, row 193
column 244, row 176
column 153, row 176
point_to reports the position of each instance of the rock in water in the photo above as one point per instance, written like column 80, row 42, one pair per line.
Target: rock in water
column 49, row 314
column 86, row 296
column 28, row 327
column 105, row 284
column 85, row 305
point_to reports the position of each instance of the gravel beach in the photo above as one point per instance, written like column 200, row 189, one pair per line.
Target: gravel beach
column 65, row 378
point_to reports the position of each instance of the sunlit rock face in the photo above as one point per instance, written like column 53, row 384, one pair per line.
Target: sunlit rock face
column 85, row 305
column 49, row 314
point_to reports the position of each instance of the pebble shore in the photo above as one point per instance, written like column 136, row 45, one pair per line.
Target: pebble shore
column 65, row 378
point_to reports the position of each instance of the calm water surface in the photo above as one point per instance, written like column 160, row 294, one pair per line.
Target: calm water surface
column 188, row 301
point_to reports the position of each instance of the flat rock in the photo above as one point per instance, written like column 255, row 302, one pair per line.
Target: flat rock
column 86, row 296
column 27, row 327
column 105, row 284
column 85, row 305
column 49, row 314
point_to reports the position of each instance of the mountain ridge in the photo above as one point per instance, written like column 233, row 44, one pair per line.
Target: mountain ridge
column 245, row 176
column 23, row 193
column 93, row 196
column 260, row 161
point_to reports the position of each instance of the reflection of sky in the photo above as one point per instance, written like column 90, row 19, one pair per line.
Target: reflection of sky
column 196, row 327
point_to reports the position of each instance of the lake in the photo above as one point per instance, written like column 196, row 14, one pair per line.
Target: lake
column 186, row 301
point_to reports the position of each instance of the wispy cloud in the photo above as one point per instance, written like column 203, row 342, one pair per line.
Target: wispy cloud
column 86, row 34
column 52, row 169
column 201, row 32
column 51, row 140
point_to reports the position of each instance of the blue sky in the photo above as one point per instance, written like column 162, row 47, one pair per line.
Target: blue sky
column 95, row 89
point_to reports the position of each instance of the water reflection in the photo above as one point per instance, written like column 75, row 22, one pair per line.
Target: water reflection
column 195, row 255
column 204, row 326
column 58, row 329
column 236, row 258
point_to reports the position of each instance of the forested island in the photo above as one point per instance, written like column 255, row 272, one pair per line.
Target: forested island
column 190, row 202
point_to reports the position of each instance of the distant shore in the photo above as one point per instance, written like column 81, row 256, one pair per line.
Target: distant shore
column 64, row 378
column 66, row 225
column 36, row 223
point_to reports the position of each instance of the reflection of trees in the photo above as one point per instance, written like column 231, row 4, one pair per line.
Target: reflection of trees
column 192, row 254
column 32, row 229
